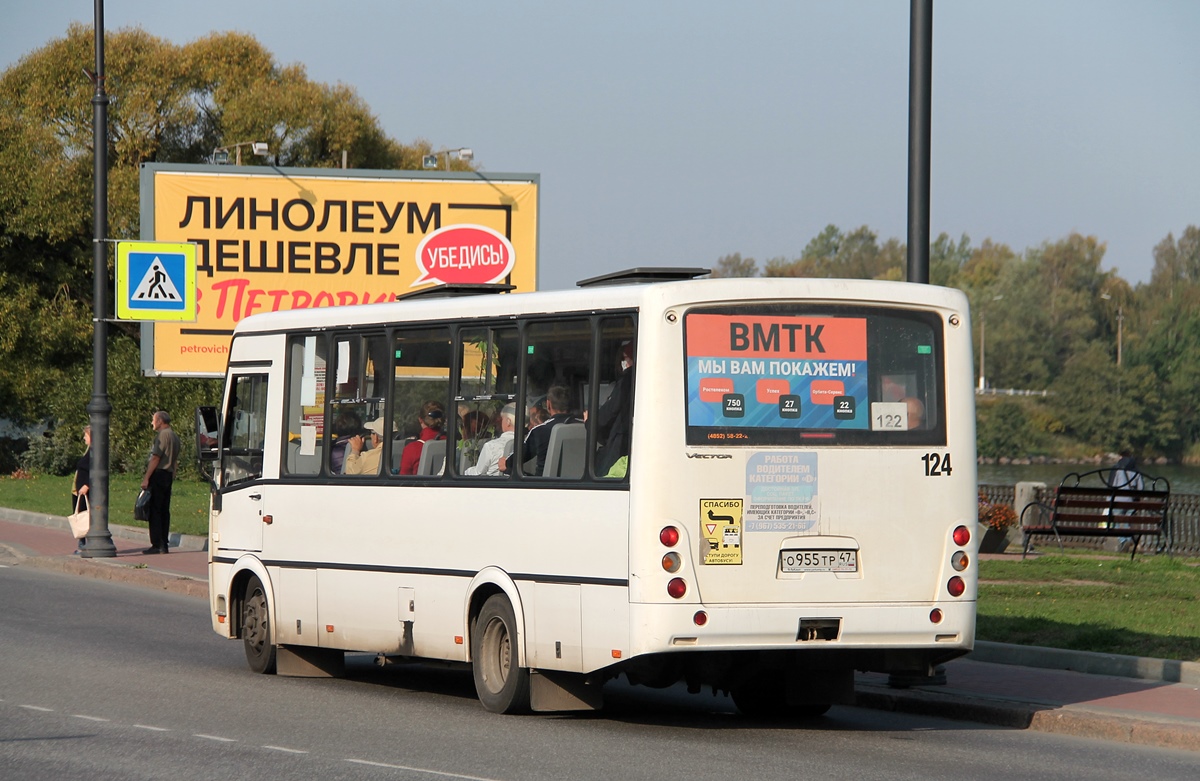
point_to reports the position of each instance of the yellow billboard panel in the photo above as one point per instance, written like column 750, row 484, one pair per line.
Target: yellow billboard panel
column 274, row 239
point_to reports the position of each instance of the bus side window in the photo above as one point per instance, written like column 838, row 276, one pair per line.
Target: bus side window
column 485, row 373
column 558, row 376
column 356, row 400
column 614, row 414
column 421, row 408
column 245, row 429
column 305, row 402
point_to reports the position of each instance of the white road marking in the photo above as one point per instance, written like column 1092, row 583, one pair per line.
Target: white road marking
column 215, row 737
column 441, row 773
column 153, row 729
column 285, row 750
column 89, row 718
column 38, row 708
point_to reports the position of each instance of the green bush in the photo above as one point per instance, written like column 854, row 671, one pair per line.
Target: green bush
column 134, row 398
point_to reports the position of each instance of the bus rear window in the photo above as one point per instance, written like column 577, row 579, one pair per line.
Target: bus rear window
column 786, row 374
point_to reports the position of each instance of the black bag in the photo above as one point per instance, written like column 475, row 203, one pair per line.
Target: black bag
column 141, row 507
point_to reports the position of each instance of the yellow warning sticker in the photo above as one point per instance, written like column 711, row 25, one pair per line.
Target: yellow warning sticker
column 721, row 531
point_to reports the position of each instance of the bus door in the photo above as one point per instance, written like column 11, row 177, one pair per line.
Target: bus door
column 239, row 524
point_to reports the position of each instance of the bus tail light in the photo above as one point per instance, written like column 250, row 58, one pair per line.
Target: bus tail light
column 677, row 587
column 959, row 561
column 700, row 619
column 669, row 536
column 956, row 586
column 962, row 535
column 935, row 615
column 671, row 562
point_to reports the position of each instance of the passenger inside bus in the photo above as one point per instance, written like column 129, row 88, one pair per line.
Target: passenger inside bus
column 495, row 449
column 475, row 429
column 916, row 412
column 360, row 461
column 614, row 419
column 346, row 425
column 433, row 420
column 536, row 416
column 537, row 441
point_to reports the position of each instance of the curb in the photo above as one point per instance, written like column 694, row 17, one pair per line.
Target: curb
column 1139, row 667
column 113, row 571
column 103, row 569
column 1095, row 723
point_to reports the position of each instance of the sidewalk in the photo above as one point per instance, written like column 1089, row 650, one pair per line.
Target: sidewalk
column 1124, row 699
column 45, row 541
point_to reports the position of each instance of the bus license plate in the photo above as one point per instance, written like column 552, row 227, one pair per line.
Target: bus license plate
column 820, row 560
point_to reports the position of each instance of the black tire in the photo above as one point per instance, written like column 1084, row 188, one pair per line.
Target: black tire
column 256, row 629
column 757, row 699
column 812, row 710
column 502, row 685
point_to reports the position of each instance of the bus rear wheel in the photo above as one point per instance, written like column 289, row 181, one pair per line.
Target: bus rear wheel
column 256, row 628
column 500, row 682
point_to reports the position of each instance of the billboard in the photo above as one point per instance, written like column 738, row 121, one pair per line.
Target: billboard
column 291, row 238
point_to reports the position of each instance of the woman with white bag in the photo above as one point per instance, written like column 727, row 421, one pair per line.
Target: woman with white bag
column 82, row 483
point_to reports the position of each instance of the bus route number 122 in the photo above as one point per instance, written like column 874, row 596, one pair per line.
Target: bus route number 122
column 937, row 464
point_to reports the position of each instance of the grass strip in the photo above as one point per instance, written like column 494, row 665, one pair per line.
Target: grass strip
column 1087, row 602
column 52, row 495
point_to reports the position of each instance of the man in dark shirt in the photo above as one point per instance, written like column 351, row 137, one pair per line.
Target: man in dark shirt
column 160, row 474
column 537, row 441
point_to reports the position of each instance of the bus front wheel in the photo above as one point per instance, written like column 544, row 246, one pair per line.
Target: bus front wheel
column 501, row 683
column 256, row 628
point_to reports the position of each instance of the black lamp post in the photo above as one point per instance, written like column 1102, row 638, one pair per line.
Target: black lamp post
column 99, row 538
column 920, row 89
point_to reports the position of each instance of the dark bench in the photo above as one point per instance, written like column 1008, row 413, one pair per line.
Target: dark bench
column 1089, row 505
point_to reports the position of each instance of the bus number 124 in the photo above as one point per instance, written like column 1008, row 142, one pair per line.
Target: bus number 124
column 937, row 464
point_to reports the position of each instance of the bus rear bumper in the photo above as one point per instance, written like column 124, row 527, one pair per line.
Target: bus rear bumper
column 931, row 626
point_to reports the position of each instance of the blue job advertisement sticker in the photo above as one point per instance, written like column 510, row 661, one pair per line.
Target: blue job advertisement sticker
column 781, row 490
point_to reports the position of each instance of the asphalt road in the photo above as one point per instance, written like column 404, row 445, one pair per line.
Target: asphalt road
column 100, row 680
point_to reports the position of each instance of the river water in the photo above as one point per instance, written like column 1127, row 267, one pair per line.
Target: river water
column 1183, row 479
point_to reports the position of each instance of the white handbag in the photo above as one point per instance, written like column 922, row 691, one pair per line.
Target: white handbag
column 81, row 520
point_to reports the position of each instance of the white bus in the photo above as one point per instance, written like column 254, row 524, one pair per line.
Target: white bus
column 754, row 485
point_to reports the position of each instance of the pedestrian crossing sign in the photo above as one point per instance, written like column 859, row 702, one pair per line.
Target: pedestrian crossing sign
column 156, row 280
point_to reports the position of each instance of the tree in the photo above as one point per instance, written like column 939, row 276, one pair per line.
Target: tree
column 169, row 103
column 947, row 258
column 735, row 266
column 1118, row 409
column 854, row 255
column 1176, row 263
column 1166, row 339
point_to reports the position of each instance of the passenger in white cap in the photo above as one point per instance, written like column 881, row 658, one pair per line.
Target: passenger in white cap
column 366, row 462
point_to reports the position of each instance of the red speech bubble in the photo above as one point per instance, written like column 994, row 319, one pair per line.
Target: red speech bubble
column 458, row 254
column 713, row 388
column 825, row 391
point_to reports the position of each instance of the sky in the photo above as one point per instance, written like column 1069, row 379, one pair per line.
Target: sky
column 672, row 133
